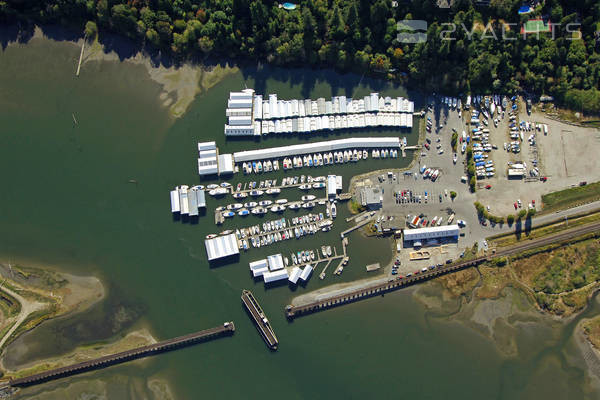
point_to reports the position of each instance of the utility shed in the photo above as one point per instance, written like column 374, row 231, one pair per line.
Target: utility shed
column 275, row 262
column 221, row 246
column 275, row 275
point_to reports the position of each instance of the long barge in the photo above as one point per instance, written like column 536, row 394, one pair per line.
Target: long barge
column 260, row 320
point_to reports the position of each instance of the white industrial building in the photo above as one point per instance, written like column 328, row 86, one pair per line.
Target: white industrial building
column 431, row 234
column 221, row 246
column 258, row 268
column 275, row 275
column 275, row 262
column 207, row 158
column 317, row 147
column 306, row 272
column 225, row 164
column 295, row 275
column 332, row 185
column 240, row 116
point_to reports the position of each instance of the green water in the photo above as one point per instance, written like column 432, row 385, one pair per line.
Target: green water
column 66, row 202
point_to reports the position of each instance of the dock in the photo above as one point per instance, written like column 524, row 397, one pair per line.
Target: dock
column 355, row 227
column 228, row 328
column 80, row 56
column 260, row 320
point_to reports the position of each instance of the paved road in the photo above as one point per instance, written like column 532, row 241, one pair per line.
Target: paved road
column 27, row 307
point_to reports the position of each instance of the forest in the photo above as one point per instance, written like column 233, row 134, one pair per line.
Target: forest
column 483, row 52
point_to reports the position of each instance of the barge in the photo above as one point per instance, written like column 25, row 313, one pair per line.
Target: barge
column 260, row 320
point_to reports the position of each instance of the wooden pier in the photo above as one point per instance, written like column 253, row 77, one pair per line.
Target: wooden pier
column 376, row 289
column 260, row 319
column 228, row 328
column 355, row 227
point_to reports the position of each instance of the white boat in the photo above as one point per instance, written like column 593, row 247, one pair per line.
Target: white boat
column 243, row 212
column 318, row 185
column 265, row 203
column 281, row 201
column 309, row 197
column 250, row 204
column 212, row 186
column 333, row 210
column 259, row 211
column 305, row 186
column 294, row 206
column 228, row 214
column 240, row 195
column 273, row 191
column 211, row 236
column 365, row 154
column 235, row 206
column 218, row 192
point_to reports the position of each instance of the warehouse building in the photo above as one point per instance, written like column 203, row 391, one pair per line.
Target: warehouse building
column 371, row 197
column 431, row 235
column 221, row 247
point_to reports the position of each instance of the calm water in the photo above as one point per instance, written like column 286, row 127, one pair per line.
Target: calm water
column 66, row 202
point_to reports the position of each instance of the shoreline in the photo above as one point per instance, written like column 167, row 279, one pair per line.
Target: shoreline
column 180, row 84
column 38, row 294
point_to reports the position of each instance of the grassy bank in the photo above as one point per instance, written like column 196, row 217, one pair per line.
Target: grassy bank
column 559, row 278
column 508, row 239
column 571, row 197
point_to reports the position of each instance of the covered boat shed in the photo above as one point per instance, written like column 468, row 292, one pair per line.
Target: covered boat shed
column 221, row 247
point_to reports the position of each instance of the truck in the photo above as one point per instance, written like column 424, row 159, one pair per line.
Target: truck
column 450, row 219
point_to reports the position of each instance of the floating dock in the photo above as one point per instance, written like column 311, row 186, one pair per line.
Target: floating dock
column 260, row 320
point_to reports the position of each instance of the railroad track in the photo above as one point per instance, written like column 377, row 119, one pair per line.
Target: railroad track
column 394, row 284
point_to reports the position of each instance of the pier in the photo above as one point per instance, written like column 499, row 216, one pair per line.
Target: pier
column 376, row 289
column 228, row 328
column 260, row 320
column 355, row 227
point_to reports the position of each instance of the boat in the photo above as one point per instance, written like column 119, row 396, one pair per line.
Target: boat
column 308, row 197
column 235, row 206
column 218, row 192
column 294, row 206
column 212, row 186
column 328, row 251
column 211, row 236
column 225, row 184
column 259, row 211
column 228, row 214
column 273, row 191
column 238, row 187
column 294, row 259
column 305, row 186
column 318, row 185
column 365, row 154
column 276, row 165
column 250, row 204
column 281, row 201
column 243, row 212
column 277, row 208
column 310, row 204
column 333, row 210
column 265, row 203
column 256, row 193
column 226, row 232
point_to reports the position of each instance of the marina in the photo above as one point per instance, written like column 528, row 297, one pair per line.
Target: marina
column 260, row 319
column 249, row 115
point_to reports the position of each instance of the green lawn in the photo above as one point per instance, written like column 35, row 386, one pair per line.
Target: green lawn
column 571, row 197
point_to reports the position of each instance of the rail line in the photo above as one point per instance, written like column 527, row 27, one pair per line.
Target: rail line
column 398, row 283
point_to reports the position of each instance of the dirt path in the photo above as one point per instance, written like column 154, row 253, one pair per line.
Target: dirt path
column 27, row 308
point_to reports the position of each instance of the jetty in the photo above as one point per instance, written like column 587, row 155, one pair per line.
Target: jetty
column 260, row 319
column 227, row 328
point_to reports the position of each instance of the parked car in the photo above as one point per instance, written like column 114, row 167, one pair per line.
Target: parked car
column 488, row 186
column 544, row 178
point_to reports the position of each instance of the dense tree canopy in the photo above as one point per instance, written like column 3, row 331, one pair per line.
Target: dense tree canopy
column 361, row 36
